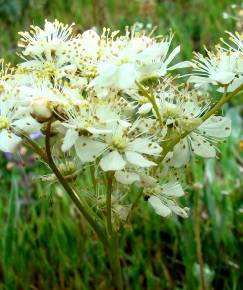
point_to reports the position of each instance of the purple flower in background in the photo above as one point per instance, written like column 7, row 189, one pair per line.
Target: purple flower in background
column 8, row 155
column 34, row 136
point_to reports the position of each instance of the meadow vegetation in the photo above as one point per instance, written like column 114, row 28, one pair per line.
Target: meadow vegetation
column 45, row 242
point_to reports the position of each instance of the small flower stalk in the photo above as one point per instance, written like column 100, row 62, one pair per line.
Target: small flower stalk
column 112, row 105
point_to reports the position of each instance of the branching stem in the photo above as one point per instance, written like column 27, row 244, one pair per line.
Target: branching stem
column 75, row 198
column 152, row 101
column 169, row 147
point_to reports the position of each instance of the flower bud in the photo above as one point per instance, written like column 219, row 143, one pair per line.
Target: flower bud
column 40, row 109
column 191, row 124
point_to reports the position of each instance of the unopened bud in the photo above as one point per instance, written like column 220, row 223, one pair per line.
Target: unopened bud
column 191, row 124
column 40, row 109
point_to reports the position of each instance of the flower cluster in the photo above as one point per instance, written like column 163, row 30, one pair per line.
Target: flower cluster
column 114, row 105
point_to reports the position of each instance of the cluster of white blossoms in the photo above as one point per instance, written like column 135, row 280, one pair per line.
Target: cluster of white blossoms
column 114, row 105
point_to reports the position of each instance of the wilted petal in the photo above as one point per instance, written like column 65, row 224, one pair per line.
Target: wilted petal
column 126, row 177
column 159, row 207
column 183, row 212
column 172, row 189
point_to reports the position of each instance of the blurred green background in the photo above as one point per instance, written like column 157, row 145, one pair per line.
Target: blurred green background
column 45, row 243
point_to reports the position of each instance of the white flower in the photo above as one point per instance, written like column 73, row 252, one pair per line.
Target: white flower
column 163, row 199
column 55, row 69
column 46, row 51
column 127, row 59
column 47, row 41
column 219, row 68
column 117, row 148
column 83, row 51
column 202, row 141
column 12, row 119
column 91, row 118
column 125, row 148
column 154, row 61
column 179, row 110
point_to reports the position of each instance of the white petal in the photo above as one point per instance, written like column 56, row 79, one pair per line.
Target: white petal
column 172, row 189
column 223, row 77
column 202, row 147
column 142, row 145
column 182, row 64
column 181, row 154
column 198, row 80
column 233, row 86
column 124, row 123
column 183, row 212
column 27, row 124
column 69, row 139
column 138, row 159
column 88, row 150
column 126, row 76
column 145, row 108
column 216, row 126
column 159, row 207
column 126, row 177
column 98, row 131
column 106, row 72
column 8, row 141
column 172, row 55
column 112, row 161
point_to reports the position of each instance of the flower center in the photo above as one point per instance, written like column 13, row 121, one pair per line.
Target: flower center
column 119, row 143
column 171, row 111
column 4, row 123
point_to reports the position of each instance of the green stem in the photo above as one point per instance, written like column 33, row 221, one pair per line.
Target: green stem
column 220, row 103
column 114, row 260
column 111, row 244
column 198, row 238
column 108, row 202
column 113, row 249
column 33, row 145
column 134, row 204
column 75, row 198
column 152, row 101
column 92, row 173
column 212, row 111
